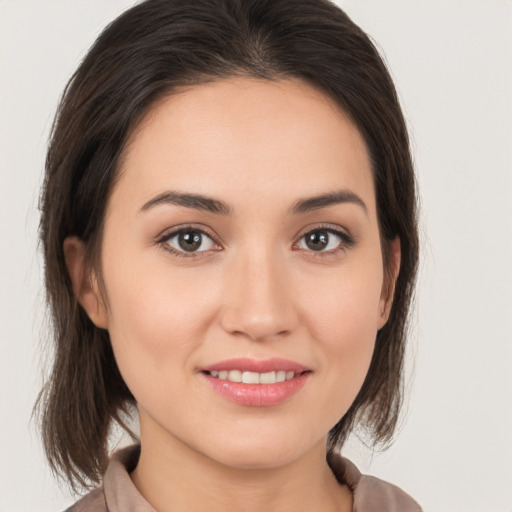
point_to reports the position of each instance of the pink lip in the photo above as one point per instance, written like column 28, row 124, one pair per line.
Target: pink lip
column 257, row 395
column 253, row 365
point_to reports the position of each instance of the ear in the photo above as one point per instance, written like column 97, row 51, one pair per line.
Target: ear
column 388, row 286
column 84, row 282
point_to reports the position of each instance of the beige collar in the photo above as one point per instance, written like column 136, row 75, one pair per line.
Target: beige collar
column 370, row 494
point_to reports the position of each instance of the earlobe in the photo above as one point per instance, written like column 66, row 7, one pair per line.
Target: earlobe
column 85, row 285
column 388, row 288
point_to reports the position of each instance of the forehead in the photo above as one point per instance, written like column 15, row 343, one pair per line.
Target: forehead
column 246, row 138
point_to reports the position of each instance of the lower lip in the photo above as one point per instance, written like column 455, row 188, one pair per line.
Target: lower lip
column 257, row 395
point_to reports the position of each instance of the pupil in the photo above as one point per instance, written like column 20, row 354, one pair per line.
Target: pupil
column 318, row 240
column 189, row 241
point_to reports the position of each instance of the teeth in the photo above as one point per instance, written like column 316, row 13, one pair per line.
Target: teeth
column 250, row 378
column 280, row 376
column 268, row 378
column 253, row 377
column 234, row 376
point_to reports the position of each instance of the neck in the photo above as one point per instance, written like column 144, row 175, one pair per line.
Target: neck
column 173, row 476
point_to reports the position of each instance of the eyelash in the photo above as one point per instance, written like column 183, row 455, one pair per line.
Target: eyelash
column 347, row 241
column 162, row 241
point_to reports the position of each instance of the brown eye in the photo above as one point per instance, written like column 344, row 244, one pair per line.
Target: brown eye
column 321, row 240
column 317, row 240
column 191, row 240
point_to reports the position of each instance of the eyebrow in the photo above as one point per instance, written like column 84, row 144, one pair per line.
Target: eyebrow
column 195, row 201
column 331, row 198
column 208, row 204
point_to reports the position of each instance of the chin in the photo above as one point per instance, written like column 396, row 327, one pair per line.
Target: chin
column 265, row 458
column 262, row 451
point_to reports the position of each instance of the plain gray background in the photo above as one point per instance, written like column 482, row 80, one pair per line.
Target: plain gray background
column 452, row 63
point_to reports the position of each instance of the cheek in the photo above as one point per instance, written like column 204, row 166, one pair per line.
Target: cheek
column 342, row 316
column 156, row 320
column 344, row 305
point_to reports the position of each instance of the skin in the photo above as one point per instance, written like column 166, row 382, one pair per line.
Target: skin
column 257, row 290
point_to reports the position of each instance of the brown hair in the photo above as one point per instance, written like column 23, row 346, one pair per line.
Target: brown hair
column 143, row 55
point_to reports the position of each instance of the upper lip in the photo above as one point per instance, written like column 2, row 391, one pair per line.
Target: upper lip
column 257, row 366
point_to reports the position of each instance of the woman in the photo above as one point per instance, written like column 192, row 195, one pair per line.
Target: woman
column 229, row 231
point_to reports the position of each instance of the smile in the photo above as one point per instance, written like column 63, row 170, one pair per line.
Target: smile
column 256, row 383
column 253, row 377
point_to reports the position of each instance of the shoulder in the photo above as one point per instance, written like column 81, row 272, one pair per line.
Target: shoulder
column 117, row 493
column 94, row 501
column 371, row 494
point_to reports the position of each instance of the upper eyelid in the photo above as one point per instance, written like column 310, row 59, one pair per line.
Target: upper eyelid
column 347, row 239
column 333, row 228
column 168, row 233
column 163, row 241
column 175, row 230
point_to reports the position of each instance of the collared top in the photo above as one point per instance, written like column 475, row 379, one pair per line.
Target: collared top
column 119, row 494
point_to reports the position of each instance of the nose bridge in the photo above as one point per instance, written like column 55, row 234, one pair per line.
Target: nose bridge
column 257, row 300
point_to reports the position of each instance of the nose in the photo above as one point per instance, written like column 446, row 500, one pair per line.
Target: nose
column 258, row 302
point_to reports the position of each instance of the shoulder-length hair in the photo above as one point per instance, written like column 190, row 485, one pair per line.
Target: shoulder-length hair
column 146, row 53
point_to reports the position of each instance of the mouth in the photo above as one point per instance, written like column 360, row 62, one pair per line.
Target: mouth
column 256, row 383
column 253, row 377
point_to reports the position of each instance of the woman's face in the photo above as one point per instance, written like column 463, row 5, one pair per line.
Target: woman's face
column 241, row 242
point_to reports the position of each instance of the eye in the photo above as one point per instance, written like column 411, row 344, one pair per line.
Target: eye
column 187, row 241
column 324, row 240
